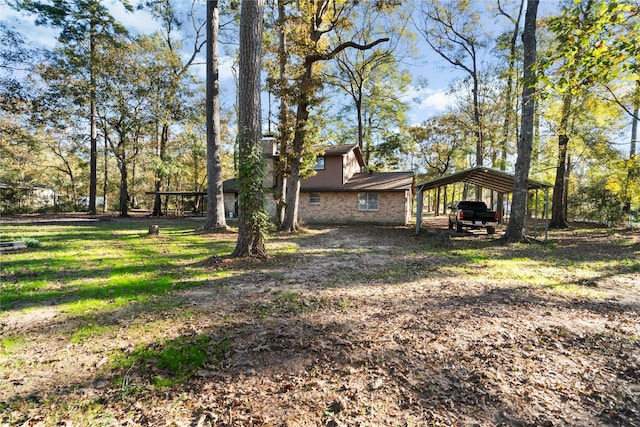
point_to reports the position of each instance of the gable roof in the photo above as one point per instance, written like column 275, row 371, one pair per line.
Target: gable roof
column 340, row 150
column 492, row 179
column 376, row 181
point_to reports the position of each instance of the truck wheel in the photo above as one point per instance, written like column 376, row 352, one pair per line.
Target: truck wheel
column 459, row 227
column 491, row 230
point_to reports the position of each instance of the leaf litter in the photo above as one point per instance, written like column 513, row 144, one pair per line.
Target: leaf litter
column 358, row 327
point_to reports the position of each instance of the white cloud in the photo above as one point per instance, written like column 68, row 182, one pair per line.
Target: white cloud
column 425, row 102
column 24, row 23
column 137, row 22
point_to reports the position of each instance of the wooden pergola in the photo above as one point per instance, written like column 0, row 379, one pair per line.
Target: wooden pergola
column 180, row 195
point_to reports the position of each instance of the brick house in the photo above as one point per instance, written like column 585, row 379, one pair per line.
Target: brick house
column 339, row 192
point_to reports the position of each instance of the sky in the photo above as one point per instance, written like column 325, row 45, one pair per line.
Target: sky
column 424, row 101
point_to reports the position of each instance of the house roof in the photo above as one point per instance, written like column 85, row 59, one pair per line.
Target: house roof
column 492, row 179
column 376, row 181
column 333, row 150
column 340, row 150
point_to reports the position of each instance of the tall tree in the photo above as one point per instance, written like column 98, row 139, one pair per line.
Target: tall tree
column 253, row 220
column 363, row 74
column 319, row 17
column 509, row 114
column 125, row 95
column 581, row 58
column 169, row 69
column 215, row 196
column 438, row 141
column 81, row 22
column 451, row 29
column 515, row 229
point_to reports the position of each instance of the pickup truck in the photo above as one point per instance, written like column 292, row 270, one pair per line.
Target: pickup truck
column 474, row 215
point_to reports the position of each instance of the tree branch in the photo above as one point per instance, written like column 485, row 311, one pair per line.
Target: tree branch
column 325, row 56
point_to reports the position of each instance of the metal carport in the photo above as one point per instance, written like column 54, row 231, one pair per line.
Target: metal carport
column 499, row 181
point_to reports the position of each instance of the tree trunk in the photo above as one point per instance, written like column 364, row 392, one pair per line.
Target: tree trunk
column 215, row 194
column 93, row 157
column 558, row 218
column 253, row 221
column 634, row 122
column 105, row 184
column 358, row 103
column 163, row 139
column 290, row 222
column 281, row 165
column 124, row 188
column 565, row 191
column 508, row 108
column 478, row 125
column 515, row 229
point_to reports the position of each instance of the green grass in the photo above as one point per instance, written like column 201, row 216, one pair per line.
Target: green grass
column 89, row 331
column 573, row 289
column 172, row 361
column 10, row 344
column 84, row 268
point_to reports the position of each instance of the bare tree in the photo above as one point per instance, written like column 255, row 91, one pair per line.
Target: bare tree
column 451, row 29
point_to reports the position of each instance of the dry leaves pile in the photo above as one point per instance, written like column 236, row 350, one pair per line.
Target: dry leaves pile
column 366, row 326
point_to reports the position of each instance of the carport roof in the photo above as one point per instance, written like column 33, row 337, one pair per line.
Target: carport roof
column 492, row 179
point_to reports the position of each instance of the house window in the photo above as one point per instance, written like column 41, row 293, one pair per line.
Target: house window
column 314, row 198
column 367, row 201
column 319, row 163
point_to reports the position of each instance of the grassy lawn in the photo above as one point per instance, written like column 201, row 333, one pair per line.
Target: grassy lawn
column 86, row 268
column 102, row 324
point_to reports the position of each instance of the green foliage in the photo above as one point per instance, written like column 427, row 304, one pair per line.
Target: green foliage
column 591, row 45
column 597, row 202
column 31, row 242
column 10, row 344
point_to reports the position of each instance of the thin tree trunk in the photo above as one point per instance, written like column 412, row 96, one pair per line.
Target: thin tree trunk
column 163, row 139
column 478, row 125
column 105, row 185
column 283, row 119
column 290, row 222
column 358, row 103
column 215, row 195
column 634, row 122
column 124, row 189
column 565, row 191
column 93, row 157
column 508, row 109
column 515, row 229
column 558, row 218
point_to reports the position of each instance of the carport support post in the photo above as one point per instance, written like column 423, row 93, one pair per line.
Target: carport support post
column 535, row 219
column 419, row 208
column 546, row 213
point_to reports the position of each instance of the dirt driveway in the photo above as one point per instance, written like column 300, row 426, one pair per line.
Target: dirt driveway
column 374, row 326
